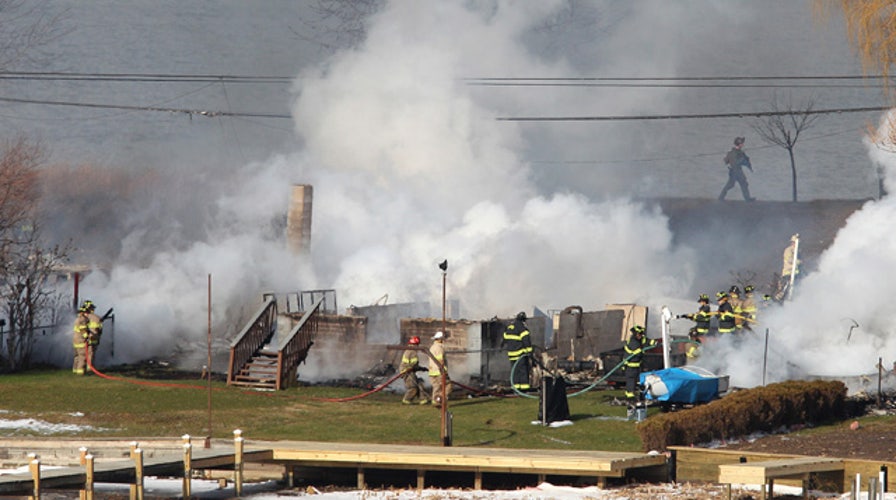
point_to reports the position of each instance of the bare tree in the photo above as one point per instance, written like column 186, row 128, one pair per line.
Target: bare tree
column 337, row 24
column 27, row 27
column 27, row 267
column 782, row 125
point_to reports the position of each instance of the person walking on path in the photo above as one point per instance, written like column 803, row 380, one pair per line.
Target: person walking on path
column 736, row 160
column 410, row 365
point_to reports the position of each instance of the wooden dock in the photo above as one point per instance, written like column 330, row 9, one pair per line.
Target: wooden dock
column 600, row 465
column 295, row 455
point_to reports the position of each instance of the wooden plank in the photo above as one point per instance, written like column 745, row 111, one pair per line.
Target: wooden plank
column 762, row 472
column 568, row 462
column 167, row 464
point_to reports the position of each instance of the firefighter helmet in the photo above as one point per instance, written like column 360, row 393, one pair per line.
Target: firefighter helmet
column 749, row 289
column 521, row 316
column 438, row 336
column 721, row 295
column 734, row 290
column 87, row 306
column 637, row 329
column 703, row 298
column 738, row 141
column 415, row 340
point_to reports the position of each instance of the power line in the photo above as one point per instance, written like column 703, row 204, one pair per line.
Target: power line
column 143, row 77
column 680, row 85
column 682, row 78
column 684, row 117
column 191, row 112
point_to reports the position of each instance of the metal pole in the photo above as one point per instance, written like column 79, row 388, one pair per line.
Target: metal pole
column 444, row 313
column 446, row 440
column 209, row 363
column 666, row 316
column 765, row 356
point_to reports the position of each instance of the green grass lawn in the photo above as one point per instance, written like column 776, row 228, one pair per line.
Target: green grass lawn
column 171, row 408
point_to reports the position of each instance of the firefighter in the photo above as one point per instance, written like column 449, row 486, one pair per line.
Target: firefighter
column 410, row 365
column 437, row 357
column 94, row 331
column 701, row 320
column 80, row 334
column 634, row 353
column 725, row 313
column 736, row 307
column 748, row 307
column 519, row 351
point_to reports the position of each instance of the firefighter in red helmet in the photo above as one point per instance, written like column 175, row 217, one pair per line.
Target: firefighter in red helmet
column 410, row 365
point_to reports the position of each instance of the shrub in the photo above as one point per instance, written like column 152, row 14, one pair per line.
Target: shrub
column 746, row 411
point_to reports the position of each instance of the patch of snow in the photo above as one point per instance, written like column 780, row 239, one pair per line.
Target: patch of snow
column 29, row 426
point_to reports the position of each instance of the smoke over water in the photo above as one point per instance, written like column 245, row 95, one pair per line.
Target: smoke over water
column 409, row 167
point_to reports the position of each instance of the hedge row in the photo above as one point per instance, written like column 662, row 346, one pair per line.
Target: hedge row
column 747, row 411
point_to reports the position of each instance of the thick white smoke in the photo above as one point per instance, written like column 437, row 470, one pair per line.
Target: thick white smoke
column 410, row 167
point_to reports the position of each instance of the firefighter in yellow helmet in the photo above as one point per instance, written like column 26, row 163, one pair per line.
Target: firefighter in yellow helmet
column 410, row 365
column 80, row 334
column 748, row 307
column 725, row 313
column 701, row 319
column 634, row 353
column 737, row 308
column 94, row 331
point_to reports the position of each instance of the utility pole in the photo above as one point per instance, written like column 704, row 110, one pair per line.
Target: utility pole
column 446, row 437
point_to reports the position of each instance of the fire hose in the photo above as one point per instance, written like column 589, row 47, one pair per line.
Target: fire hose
column 393, row 379
column 364, row 395
column 138, row 382
column 596, row 382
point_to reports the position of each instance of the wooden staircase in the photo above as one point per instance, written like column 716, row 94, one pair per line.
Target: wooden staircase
column 261, row 359
column 259, row 372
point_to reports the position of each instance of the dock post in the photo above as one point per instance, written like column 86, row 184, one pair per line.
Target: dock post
column 34, row 467
column 421, row 474
column 87, row 494
column 188, row 470
column 362, row 483
column 137, row 487
column 238, row 461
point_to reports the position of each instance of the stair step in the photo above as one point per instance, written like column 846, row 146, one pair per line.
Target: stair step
column 254, row 384
column 259, row 380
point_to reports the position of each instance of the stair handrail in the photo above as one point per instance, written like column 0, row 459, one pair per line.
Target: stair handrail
column 257, row 332
column 293, row 349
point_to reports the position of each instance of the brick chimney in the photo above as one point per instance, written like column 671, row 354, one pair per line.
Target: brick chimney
column 298, row 218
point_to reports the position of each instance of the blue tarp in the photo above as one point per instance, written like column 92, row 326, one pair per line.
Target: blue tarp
column 683, row 386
